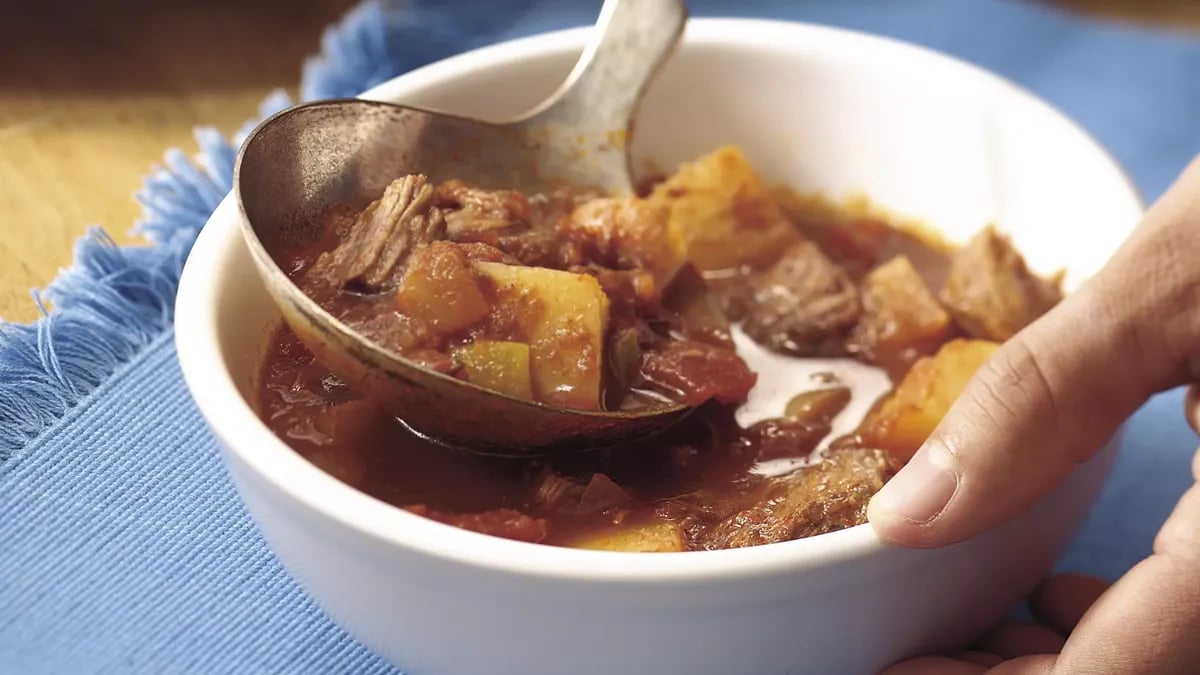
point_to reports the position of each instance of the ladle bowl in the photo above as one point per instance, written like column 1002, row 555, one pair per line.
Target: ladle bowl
column 298, row 163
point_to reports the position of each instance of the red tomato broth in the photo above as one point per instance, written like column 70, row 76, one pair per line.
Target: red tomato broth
column 829, row 291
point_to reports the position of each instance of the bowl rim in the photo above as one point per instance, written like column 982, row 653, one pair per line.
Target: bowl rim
column 207, row 375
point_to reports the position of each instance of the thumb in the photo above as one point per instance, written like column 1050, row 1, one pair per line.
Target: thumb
column 1057, row 391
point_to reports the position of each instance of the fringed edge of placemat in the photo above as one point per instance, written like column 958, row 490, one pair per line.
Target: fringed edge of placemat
column 112, row 301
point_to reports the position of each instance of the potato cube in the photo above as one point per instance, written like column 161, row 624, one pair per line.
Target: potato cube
column 725, row 213
column 497, row 365
column 439, row 288
column 562, row 317
column 904, row 420
column 658, row 536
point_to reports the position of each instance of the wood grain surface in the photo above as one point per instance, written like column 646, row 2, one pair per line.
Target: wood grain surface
column 92, row 93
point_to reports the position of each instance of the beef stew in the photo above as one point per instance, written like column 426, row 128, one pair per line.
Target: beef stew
column 599, row 302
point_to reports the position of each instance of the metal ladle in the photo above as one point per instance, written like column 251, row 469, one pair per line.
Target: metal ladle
column 300, row 161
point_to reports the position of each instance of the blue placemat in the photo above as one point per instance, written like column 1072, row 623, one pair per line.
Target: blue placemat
column 123, row 547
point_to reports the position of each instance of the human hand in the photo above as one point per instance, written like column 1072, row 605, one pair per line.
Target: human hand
column 1048, row 399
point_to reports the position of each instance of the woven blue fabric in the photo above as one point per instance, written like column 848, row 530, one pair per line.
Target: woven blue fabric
column 123, row 546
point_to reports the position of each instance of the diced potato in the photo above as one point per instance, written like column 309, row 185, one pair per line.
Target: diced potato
column 901, row 320
column 440, row 289
column 562, row 317
column 725, row 213
column 658, row 536
column 634, row 232
column 903, row 421
column 499, row 366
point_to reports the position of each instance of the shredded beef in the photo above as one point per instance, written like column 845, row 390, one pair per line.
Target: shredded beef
column 372, row 254
column 824, row 497
column 478, row 214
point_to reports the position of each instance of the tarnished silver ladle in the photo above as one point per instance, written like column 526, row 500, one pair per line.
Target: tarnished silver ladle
column 300, row 161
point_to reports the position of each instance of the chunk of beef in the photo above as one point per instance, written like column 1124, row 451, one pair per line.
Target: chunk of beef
column 371, row 255
column 539, row 246
column 478, row 214
column 694, row 372
column 507, row 523
column 803, row 305
column 524, row 228
column 901, row 319
column 991, row 292
column 824, row 497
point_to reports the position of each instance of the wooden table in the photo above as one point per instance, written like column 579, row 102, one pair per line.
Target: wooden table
column 92, row 93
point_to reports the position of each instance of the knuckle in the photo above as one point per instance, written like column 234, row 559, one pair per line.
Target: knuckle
column 1012, row 384
column 1178, row 542
column 1156, row 283
column 991, row 404
column 1175, row 322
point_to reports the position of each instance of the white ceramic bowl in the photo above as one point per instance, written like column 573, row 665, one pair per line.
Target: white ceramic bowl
column 823, row 109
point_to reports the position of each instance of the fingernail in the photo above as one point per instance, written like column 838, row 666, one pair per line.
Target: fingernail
column 922, row 488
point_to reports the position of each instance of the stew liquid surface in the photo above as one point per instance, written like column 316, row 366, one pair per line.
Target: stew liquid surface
column 584, row 301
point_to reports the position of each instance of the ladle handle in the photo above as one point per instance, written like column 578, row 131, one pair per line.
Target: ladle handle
column 631, row 41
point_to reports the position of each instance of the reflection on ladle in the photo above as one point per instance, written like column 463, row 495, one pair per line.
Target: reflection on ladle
column 297, row 163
